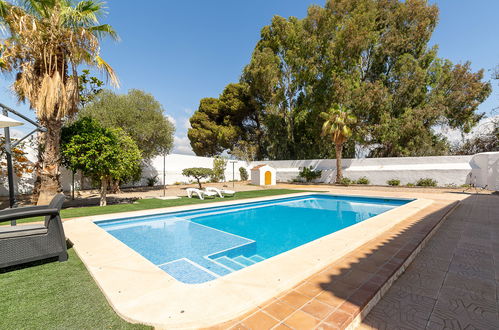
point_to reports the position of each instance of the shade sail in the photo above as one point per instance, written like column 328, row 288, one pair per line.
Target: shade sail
column 8, row 122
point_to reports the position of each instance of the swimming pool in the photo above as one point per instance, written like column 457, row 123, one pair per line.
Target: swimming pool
column 197, row 246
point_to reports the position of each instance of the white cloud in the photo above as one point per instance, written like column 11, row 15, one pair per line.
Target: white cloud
column 171, row 119
column 187, row 123
column 188, row 111
column 182, row 145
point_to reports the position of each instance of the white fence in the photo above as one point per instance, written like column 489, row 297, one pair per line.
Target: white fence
column 482, row 169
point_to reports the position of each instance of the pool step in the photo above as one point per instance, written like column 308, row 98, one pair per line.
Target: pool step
column 244, row 261
column 256, row 258
column 229, row 263
column 239, row 262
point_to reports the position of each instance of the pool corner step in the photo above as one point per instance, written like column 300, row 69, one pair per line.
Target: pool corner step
column 256, row 258
column 244, row 260
column 229, row 263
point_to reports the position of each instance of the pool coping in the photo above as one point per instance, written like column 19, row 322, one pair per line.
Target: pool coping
column 140, row 292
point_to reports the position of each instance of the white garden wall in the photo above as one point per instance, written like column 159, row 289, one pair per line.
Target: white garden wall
column 482, row 169
column 174, row 165
column 446, row 170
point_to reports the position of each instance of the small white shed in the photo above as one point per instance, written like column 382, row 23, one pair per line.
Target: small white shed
column 263, row 175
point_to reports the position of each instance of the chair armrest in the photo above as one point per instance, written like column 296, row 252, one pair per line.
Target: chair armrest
column 26, row 212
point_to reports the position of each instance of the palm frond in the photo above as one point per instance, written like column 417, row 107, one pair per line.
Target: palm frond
column 101, row 31
column 103, row 65
column 38, row 8
column 84, row 14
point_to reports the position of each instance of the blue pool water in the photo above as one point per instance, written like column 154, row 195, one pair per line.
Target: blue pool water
column 201, row 245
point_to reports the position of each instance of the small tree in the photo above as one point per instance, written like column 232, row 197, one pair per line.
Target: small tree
column 100, row 153
column 243, row 174
column 219, row 165
column 198, row 173
column 337, row 123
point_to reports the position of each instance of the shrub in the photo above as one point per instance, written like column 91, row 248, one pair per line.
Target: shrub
column 218, row 172
column 410, row 185
column 426, row 182
column 363, row 180
column 393, row 182
column 178, row 183
column 309, row 174
column 466, row 185
column 151, row 182
column 346, row 181
column 198, row 173
column 243, row 174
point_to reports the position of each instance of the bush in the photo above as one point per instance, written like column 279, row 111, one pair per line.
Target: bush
column 410, row 185
column 426, row 182
column 218, row 172
column 309, row 174
column 363, row 180
column 393, row 182
column 243, row 174
column 151, row 182
column 178, row 183
column 346, row 181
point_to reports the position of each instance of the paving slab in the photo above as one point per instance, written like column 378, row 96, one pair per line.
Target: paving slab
column 453, row 282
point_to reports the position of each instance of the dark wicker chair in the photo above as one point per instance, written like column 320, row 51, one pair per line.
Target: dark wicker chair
column 26, row 243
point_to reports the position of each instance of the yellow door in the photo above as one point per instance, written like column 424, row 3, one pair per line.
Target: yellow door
column 268, row 178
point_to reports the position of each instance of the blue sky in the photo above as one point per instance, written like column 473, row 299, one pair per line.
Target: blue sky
column 182, row 51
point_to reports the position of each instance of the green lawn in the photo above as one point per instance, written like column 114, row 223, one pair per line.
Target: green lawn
column 56, row 295
column 153, row 203
column 63, row 295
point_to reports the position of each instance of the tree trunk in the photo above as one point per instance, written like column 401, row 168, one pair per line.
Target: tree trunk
column 339, row 171
column 199, row 183
column 103, row 191
column 115, row 187
column 49, row 157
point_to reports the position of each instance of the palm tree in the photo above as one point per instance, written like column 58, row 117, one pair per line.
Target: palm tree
column 337, row 123
column 46, row 41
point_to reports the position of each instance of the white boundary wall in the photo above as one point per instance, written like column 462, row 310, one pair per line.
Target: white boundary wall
column 482, row 169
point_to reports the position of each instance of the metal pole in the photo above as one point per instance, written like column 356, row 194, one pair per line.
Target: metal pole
column 233, row 174
column 10, row 168
column 164, row 175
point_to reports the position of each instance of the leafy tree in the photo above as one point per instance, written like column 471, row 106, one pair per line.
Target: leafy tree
column 372, row 56
column 139, row 114
column 243, row 174
column 218, row 172
column 337, row 125
column 224, row 123
column 102, row 154
column 46, row 42
column 198, row 173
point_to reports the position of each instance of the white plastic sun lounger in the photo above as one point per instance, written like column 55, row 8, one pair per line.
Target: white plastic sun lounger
column 221, row 192
column 201, row 193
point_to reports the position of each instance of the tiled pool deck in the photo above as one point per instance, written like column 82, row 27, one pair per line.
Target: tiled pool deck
column 338, row 296
column 450, row 255
column 453, row 283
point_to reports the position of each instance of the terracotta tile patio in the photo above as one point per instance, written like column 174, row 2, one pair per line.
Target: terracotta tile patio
column 343, row 293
